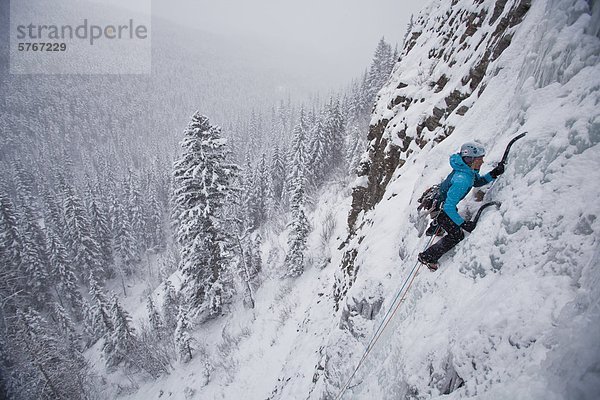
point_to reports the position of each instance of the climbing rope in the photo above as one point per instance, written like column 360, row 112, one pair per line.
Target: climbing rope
column 384, row 323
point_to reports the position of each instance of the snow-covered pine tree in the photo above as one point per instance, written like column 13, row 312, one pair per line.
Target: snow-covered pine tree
column 203, row 180
column 259, row 196
column 183, row 340
column 155, row 233
column 248, row 201
column 327, row 144
column 296, row 167
column 318, row 149
column 66, row 327
column 25, row 185
column 135, row 209
column 161, row 182
column 255, row 132
column 294, row 262
column 11, row 251
column 63, row 278
column 121, row 341
column 156, row 322
column 53, row 212
column 381, row 67
column 54, row 367
column 34, row 261
column 274, row 129
column 354, row 150
column 125, row 244
column 170, row 306
column 85, row 250
column 253, row 260
column 101, row 322
column 365, row 103
column 101, row 231
column 10, row 237
column 285, row 114
column 277, row 178
column 114, row 217
column 335, row 128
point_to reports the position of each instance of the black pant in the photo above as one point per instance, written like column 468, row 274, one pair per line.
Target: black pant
column 454, row 234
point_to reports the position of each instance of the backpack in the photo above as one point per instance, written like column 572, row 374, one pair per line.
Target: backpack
column 430, row 200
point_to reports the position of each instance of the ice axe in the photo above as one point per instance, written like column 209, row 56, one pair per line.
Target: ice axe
column 507, row 150
column 483, row 207
column 505, row 156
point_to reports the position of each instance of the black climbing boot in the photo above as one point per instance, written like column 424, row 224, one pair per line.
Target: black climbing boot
column 433, row 266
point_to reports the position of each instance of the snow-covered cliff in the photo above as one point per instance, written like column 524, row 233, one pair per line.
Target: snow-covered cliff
column 513, row 312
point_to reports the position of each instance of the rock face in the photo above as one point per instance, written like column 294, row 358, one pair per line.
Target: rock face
column 441, row 72
column 438, row 89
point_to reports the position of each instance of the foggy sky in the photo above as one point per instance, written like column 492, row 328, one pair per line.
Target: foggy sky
column 334, row 38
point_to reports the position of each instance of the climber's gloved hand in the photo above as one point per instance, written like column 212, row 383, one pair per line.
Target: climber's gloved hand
column 468, row 226
column 496, row 172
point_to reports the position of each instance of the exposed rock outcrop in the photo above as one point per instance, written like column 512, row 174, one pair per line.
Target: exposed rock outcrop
column 470, row 37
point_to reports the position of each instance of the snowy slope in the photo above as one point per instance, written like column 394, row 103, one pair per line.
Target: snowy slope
column 242, row 355
column 513, row 312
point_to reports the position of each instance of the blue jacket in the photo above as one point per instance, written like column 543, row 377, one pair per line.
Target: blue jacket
column 458, row 184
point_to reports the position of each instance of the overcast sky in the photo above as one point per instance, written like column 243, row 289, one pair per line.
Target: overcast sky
column 338, row 37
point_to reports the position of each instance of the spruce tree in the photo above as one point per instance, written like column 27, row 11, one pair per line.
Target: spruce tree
column 318, row 150
column 125, row 244
column 10, row 237
column 121, row 341
column 203, row 183
column 11, row 250
column 277, row 179
column 259, row 194
column 25, row 186
column 101, row 322
column 53, row 212
column 335, row 127
column 170, row 306
column 34, row 262
column 54, row 366
column 34, row 255
column 66, row 328
column 297, row 157
column 154, row 317
column 135, row 210
column 183, row 341
column 355, row 150
column 247, row 192
column 299, row 228
column 381, row 67
column 63, row 278
column 101, row 231
column 85, row 250
column 155, row 233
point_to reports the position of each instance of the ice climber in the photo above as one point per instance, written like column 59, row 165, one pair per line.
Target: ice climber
column 465, row 174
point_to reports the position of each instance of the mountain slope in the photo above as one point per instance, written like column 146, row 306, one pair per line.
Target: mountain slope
column 513, row 311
